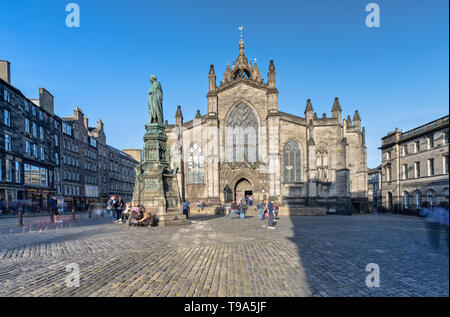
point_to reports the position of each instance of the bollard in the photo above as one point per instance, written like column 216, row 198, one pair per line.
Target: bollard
column 73, row 213
column 20, row 217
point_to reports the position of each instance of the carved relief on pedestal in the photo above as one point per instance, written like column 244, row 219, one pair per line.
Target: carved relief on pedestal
column 151, row 184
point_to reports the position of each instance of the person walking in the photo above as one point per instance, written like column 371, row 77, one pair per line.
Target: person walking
column 242, row 209
column 203, row 205
column 275, row 210
column 233, row 209
column 53, row 206
column 270, row 208
column 186, row 208
column 432, row 224
column 261, row 206
column 111, row 204
column 119, row 206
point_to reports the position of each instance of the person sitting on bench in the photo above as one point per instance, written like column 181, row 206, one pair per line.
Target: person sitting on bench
column 146, row 220
column 136, row 214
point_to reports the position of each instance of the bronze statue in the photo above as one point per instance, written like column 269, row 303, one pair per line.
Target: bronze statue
column 155, row 97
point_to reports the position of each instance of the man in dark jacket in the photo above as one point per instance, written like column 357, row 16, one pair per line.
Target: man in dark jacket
column 271, row 215
column 111, row 204
column 186, row 208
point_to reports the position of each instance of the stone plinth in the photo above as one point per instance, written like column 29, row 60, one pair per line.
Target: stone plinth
column 156, row 186
column 302, row 211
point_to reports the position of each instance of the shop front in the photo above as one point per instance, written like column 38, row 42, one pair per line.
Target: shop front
column 36, row 200
column 10, row 199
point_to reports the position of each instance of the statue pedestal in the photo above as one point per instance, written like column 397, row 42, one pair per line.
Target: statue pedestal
column 156, row 185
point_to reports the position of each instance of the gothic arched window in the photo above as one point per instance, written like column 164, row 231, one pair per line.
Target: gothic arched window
column 418, row 199
column 241, row 129
column 405, row 200
column 431, row 196
column 195, row 165
column 322, row 166
column 292, row 162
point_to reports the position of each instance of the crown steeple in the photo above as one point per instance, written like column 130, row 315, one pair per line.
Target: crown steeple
column 243, row 68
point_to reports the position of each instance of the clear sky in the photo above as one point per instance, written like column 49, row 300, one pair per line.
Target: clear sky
column 395, row 75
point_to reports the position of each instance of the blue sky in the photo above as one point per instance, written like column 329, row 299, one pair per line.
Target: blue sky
column 395, row 75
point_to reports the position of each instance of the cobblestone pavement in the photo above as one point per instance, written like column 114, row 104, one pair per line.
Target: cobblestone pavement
column 219, row 256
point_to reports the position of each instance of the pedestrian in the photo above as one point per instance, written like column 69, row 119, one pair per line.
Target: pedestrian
column 261, row 206
column 275, row 210
column 270, row 208
column 111, row 204
column 203, row 205
column 186, row 208
column 198, row 206
column 432, row 224
column 119, row 206
column 233, row 208
column 242, row 209
column 53, row 206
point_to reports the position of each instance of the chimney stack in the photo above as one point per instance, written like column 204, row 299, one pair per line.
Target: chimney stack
column 5, row 71
column 46, row 101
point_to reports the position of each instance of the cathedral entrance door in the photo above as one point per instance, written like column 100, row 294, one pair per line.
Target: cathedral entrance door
column 242, row 188
column 249, row 197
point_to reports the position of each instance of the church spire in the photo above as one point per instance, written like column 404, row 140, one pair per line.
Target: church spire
column 241, row 61
column 212, row 78
column 336, row 111
column 241, row 42
column 309, row 111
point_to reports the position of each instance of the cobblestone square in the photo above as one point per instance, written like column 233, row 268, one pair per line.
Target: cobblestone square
column 219, row 256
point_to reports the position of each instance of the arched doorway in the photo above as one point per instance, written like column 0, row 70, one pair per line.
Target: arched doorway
column 431, row 197
column 227, row 194
column 243, row 190
column 389, row 201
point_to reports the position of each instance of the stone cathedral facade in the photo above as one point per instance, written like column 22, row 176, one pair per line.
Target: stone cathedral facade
column 244, row 146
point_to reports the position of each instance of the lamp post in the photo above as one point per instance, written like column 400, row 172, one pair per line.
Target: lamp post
column 20, row 216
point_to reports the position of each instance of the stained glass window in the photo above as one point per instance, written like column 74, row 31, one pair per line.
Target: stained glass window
column 292, row 162
column 196, row 162
column 241, row 135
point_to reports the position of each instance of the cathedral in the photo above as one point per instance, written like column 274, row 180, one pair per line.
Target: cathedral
column 245, row 148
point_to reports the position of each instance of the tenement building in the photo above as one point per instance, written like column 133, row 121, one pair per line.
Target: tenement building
column 245, row 147
column 94, row 170
column 29, row 148
column 121, row 173
column 415, row 166
column 43, row 155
